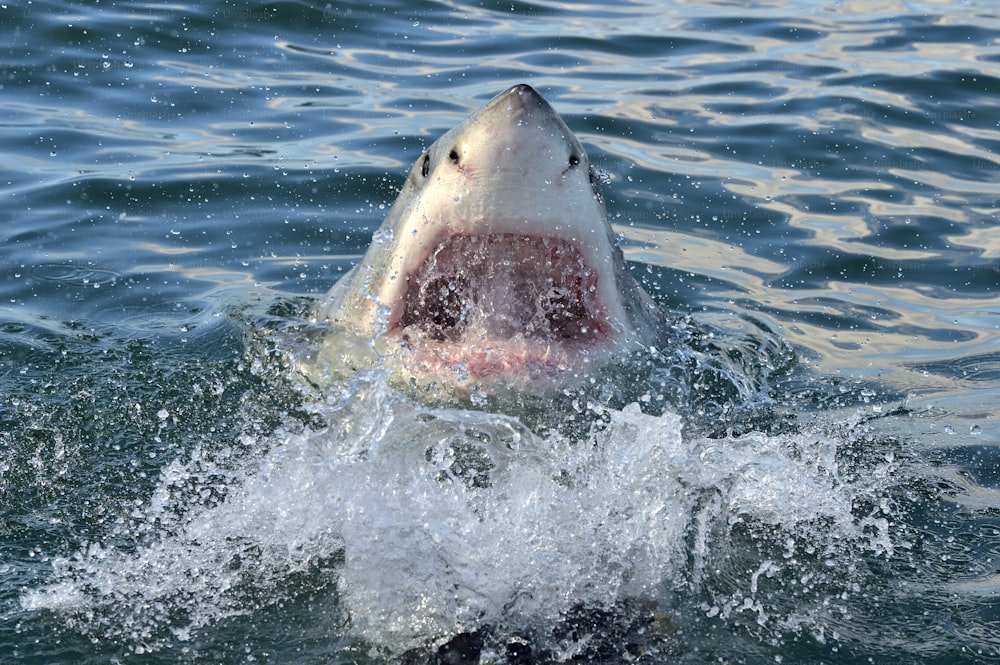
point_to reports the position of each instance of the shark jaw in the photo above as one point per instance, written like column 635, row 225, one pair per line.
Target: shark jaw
column 496, row 266
column 490, row 305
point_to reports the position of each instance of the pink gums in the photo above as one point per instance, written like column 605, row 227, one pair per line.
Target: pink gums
column 492, row 304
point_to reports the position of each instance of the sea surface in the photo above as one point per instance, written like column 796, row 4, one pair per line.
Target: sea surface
column 809, row 188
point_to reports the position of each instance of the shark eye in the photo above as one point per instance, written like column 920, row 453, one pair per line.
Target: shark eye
column 453, row 155
column 574, row 160
column 426, row 167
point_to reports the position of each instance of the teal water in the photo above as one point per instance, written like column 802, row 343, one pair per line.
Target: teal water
column 814, row 184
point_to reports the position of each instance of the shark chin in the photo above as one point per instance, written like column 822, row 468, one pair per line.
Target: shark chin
column 496, row 268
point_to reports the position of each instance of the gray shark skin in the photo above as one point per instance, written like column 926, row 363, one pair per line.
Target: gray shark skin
column 496, row 267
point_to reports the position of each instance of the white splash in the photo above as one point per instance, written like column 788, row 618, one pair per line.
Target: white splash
column 447, row 520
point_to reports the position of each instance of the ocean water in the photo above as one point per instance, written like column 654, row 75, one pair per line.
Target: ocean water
column 811, row 476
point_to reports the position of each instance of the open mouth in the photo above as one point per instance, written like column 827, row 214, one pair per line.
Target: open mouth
column 496, row 300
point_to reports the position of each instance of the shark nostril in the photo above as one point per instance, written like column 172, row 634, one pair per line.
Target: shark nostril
column 426, row 167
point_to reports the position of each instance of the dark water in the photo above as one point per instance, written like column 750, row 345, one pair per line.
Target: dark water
column 180, row 182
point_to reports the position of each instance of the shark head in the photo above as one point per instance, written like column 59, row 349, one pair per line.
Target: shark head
column 497, row 265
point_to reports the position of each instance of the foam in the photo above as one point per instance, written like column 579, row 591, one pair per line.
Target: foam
column 447, row 520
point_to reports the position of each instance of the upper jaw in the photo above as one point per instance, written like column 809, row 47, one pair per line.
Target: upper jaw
column 513, row 250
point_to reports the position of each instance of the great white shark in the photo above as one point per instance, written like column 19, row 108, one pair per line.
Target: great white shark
column 496, row 270
column 496, row 266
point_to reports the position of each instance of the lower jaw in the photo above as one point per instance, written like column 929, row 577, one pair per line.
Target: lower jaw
column 498, row 364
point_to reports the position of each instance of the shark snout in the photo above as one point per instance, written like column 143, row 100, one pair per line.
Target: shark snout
column 517, row 132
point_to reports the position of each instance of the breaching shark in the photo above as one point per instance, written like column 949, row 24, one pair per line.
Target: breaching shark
column 496, row 267
column 496, row 271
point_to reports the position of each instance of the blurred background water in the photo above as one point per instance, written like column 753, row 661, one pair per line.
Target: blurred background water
column 178, row 181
